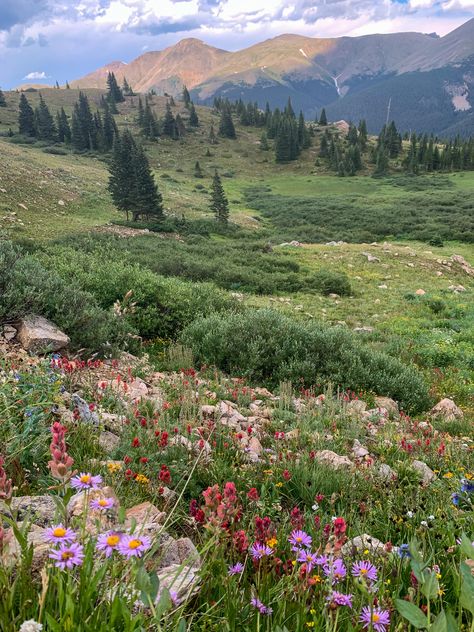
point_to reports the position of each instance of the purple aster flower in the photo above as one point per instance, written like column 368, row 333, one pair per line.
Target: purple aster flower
column 309, row 558
column 59, row 533
column 365, row 569
column 321, row 560
column 86, row 481
column 259, row 550
column 299, row 539
column 236, row 569
column 108, row 542
column 68, row 555
column 103, row 504
column 175, row 600
column 335, row 569
column 133, row 545
column 262, row 608
column 339, row 599
column 376, row 618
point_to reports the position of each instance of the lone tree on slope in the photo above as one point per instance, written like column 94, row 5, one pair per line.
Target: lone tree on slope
column 219, row 203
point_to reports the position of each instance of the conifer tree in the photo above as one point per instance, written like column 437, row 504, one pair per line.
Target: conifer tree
column 363, row 134
column 212, row 136
column 180, row 126
column 57, row 85
column 197, row 170
column 381, row 164
column 68, row 87
column 131, row 181
column 323, row 120
column 264, row 146
column 26, row 117
column 109, row 129
column 169, row 127
column 324, row 146
column 127, row 90
column 193, row 117
column 289, row 109
column 352, row 135
column 226, row 124
column 3, row 103
column 114, row 93
column 219, row 203
column 186, row 96
column 44, row 122
column 63, row 127
column 140, row 113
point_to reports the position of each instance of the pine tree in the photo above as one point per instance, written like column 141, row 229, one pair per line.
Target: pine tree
column 114, row 93
column 323, row 118
column 109, row 130
column 83, row 129
column 180, row 126
column 127, row 89
column 264, row 146
column 212, row 136
column 289, row 109
column 172, row 101
column 26, row 117
column 193, row 117
column 226, row 125
column 44, row 122
column 186, row 96
column 168, row 127
column 131, row 181
column 363, row 134
column 381, row 165
column 140, row 114
column 324, row 146
column 68, row 87
column 219, row 203
column 57, row 85
column 352, row 135
column 62, row 124
column 3, row 103
column 197, row 170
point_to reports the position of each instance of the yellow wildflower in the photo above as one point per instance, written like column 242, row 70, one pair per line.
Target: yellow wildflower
column 114, row 467
column 141, row 478
column 280, row 484
column 310, row 624
column 272, row 542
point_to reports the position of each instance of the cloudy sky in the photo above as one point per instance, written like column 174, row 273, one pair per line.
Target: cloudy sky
column 42, row 41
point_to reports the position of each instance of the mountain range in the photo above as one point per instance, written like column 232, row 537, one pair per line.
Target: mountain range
column 423, row 82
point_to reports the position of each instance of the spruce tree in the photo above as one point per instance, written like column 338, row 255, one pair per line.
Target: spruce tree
column 264, row 146
column 226, row 124
column 219, row 203
column 324, row 146
column 323, row 120
column 212, row 136
column 180, row 126
column 168, row 127
column 44, row 122
column 114, row 93
column 381, row 165
column 363, row 134
column 26, row 117
column 186, row 96
column 197, row 170
column 147, row 200
column 62, row 124
column 3, row 103
column 127, row 90
column 68, row 87
column 109, row 129
column 193, row 117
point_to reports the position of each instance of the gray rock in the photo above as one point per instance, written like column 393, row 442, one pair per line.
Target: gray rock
column 333, row 460
column 426, row 474
column 181, row 582
column 85, row 413
column 358, row 450
column 8, row 332
column 108, row 441
column 362, row 543
column 386, row 473
column 388, row 404
column 41, row 510
column 38, row 335
column 446, row 410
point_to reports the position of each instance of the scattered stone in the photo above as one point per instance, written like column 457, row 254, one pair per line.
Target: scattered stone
column 112, row 422
column 370, row 258
column 420, row 292
column 457, row 288
column 364, row 542
column 38, row 335
column 386, row 473
column 108, row 441
column 12, row 553
column 262, row 392
column 208, row 411
column 358, row 450
column 446, row 410
column 182, row 581
column 293, row 434
column 333, row 460
column 465, row 266
column 8, row 332
column 40, row 510
column 426, row 474
column 255, row 446
column 85, row 413
column 364, row 330
column 96, row 519
column 144, row 516
column 356, row 407
column 388, row 404
column 383, row 287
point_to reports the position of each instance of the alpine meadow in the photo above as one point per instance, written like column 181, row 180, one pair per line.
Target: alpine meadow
column 236, row 318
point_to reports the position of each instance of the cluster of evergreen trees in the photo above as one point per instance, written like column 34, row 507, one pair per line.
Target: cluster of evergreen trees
column 344, row 155
column 3, row 102
column 85, row 131
column 170, row 126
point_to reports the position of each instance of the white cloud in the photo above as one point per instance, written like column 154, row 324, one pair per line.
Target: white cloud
column 36, row 75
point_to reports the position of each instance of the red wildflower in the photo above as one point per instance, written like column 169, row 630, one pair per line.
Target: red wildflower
column 252, row 494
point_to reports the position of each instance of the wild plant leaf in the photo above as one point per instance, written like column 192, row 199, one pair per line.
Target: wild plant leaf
column 440, row 624
column 412, row 613
column 467, row 588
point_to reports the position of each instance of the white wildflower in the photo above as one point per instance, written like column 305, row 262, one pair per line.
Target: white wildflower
column 423, row 523
column 409, row 514
column 30, row 626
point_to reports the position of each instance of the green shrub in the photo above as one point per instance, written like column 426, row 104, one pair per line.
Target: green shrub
column 29, row 287
column 328, row 282
column 268, row 347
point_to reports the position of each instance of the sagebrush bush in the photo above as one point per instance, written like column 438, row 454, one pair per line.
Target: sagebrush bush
column 268, row 347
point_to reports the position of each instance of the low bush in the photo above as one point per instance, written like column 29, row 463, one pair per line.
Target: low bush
column 268, row 347
column 328, row 282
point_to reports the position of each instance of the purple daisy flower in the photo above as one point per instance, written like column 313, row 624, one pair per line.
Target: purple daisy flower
column 68, row 555
column 259, row 550
column 59, row 533
column 376, row 618
column 364, row 569
column 236, row 569
column 86, row 481
column 299, row 539
column 335, row 569
column 262, row 608
column 133, row 545
column 103, row 504
column 339, row 599
column 108, row 542
column 309, row 558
